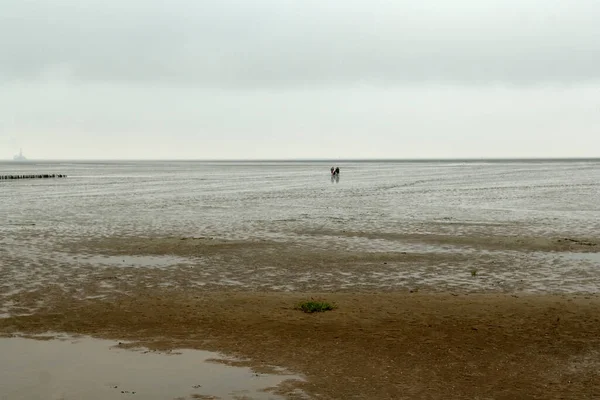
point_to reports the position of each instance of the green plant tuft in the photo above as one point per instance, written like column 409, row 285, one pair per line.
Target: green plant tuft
column 473, row 272
column 315, row 306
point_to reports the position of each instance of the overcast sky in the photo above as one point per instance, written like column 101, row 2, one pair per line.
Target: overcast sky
column 206, row 79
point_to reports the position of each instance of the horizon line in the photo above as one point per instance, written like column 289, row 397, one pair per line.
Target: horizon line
column 424, row 159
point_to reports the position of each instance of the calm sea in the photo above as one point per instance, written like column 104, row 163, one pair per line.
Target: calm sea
column 258, row 199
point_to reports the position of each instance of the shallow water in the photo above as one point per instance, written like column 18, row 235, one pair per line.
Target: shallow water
column 91, row 369
column 299, row 204
column 591, row 257
column 126, row 261
column 279, row 199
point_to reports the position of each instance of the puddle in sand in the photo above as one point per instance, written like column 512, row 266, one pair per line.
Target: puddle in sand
column 85, row 368
column 594, row 257
column 130, row 261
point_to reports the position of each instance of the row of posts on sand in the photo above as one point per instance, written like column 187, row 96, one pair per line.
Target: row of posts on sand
column 33, row 176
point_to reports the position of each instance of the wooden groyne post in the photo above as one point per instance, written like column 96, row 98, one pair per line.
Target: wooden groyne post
column 32, row 176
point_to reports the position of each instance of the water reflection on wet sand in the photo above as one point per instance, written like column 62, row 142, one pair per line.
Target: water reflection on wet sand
column 85, row 368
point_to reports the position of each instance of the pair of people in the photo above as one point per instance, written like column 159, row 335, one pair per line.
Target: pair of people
column 335, row 171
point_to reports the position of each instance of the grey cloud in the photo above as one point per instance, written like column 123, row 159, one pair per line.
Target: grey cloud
column 274, row 43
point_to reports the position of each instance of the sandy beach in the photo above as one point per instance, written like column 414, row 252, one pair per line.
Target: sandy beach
column 374, row 346
column 426, row 341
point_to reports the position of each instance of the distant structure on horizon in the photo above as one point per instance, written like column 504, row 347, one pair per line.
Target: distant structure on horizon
column 20, row 156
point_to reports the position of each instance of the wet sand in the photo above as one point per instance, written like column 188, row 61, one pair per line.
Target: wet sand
column 373, row 346
column 408, row 324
